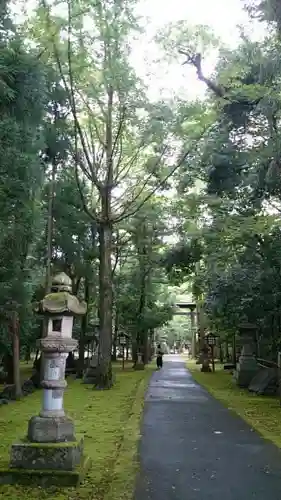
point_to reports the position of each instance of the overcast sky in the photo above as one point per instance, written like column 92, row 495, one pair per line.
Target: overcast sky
column 222, row 16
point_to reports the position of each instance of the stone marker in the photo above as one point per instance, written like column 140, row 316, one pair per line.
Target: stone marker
column 204, row 359
column 247, row 366
column 92, row 371
column 51, row 444
column 265, row 382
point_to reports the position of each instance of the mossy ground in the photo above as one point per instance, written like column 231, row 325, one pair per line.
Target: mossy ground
column 109, row 421
column 263, row 413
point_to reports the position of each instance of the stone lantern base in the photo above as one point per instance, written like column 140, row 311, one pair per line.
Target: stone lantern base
column 47, row 456
column 50, row 453
column 46, row 464
column 50, row 430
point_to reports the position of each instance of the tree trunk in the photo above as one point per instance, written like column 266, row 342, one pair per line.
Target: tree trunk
column 84, row 326
column 27, row 356
column 115, row 338
column 146, row 349
column 49, row 253
column 16, row 355
column 221, row 351
column 141, row 338
column 104, row 379
column 151, row 341
column 50, row 224
column 193, row 334
column 234, row 354
column 8, row 365
column 200, row 325
column 127, row 350
column 134, row 353
column 226, row 351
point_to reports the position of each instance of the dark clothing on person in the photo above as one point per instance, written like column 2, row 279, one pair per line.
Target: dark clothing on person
column 159, row 359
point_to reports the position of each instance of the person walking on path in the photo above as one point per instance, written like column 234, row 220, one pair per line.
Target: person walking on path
column 159, row 358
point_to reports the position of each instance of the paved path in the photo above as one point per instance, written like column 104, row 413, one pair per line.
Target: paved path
column 194, row 449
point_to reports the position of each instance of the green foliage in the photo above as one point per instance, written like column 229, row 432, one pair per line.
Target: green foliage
column 108, row 156
column 141, row 302
column 238, row 165
column 22, row 106
column 182, row 35
column 181, row 259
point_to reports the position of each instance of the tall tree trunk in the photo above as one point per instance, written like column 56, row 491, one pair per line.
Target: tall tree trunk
column 49, row 249
column 200, row 325
column 16, row 354
column 146, row 351
column 105, row 379
column 141, row 334
column 226, row 350
column 105, row 307
column 193, row 334
column 127, row 349
column 49, row 255
column 150, row 345
column 115, row 337
column 27, row 356
column 8, row 365
column 84, row 326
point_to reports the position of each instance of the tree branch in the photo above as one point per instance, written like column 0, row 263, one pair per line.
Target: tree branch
column 92, row 215
column 124, row 215
column 69, row 89
column 196, row 61
column 149, row 177
column 120, row 129
column 127, row 166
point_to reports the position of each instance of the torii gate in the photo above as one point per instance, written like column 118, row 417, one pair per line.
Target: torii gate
column 188, row 309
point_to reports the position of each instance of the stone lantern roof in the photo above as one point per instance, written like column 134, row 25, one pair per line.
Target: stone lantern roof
column 61, row 300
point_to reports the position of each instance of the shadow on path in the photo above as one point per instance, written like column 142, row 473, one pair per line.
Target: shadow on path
column 192, row 448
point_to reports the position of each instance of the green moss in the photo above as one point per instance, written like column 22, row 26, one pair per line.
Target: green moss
column 57, row 296
column 48, row 446
column 261, row 412
column 109, row 422
column 126, row 465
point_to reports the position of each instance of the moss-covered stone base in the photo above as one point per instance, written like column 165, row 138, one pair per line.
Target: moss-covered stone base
column 46, row 478
column 50, row 456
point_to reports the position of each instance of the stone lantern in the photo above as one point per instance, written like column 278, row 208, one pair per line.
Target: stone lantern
column 51, row 442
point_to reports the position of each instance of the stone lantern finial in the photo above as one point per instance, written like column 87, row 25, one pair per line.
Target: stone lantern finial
column 61, row 283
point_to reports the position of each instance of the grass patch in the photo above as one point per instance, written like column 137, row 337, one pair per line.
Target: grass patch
column 263, row 413
column 26, row 370
column 109, row 421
